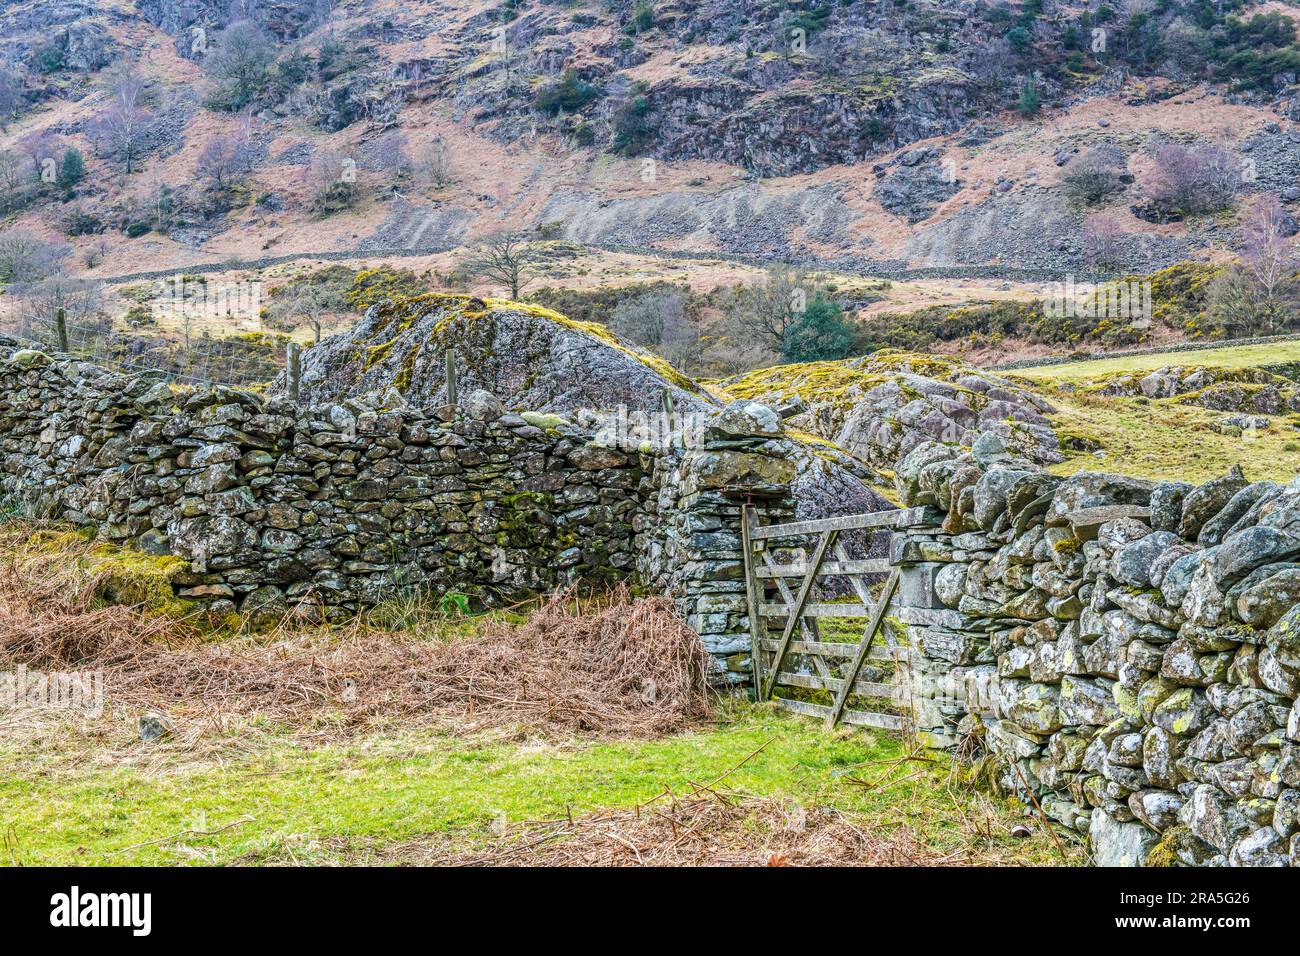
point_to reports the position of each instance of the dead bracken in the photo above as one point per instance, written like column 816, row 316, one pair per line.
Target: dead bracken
column 614, row 666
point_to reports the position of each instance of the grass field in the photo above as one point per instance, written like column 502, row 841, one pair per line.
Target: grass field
column 1165, row 440
column 96, row 795
column 463, row 736
column 1244, row 356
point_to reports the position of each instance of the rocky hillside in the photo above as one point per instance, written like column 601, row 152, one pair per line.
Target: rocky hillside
column 870, row 133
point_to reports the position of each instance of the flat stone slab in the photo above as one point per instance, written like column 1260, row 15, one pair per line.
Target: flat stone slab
column 1087, row 521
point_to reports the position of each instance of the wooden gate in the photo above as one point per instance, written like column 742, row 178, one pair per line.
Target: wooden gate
column 815, row 661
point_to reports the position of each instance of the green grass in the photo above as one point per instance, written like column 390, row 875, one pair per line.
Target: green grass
column 342, row 801
column 1242, row 356
column 1165, row 440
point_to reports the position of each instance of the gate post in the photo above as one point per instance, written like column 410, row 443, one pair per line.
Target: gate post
column 931, row 683
column 737, row 463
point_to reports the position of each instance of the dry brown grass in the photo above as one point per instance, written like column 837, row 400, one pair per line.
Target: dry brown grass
column 706, row 827
column 612, row 666
column 52, row 614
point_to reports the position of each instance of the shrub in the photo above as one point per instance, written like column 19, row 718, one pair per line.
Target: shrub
column 1031, row 101
column 80, row 222
column 821, row 333
column 1020, row 39
column 1192, row 181
column 643, row 18
column 632, row 128
column 569, row 94
column 72, row 168
column 1095, row 175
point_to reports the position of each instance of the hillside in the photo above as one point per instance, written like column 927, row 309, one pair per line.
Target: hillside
column 689, row 126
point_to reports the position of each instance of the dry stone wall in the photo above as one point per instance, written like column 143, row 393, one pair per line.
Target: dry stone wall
column 325, row 509
column 1128, row 650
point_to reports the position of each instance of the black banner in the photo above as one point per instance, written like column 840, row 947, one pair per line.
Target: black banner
column 351, row 905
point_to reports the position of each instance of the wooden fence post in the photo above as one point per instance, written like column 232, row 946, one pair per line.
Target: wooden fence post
column 295, row 370
column 61, row 327
column 756, row 630
column 453, row 392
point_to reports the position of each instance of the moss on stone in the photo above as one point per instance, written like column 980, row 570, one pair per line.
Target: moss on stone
column 122, row 575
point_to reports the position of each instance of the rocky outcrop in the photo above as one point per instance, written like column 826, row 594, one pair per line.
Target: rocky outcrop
column 531, row 357
column 915, row 184
column 1221, row 389
column 882, row 406
column 1126, row 650
column 538, row 360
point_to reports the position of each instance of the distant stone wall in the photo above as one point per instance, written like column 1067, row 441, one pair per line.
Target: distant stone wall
column 326, row 509
column 1127, row 650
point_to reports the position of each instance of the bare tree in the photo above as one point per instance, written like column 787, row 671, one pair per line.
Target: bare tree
column 434, row 168
column 80, row 300
column 332, row 178
column 41, row 148
column 766, row 310
column 11, row 96
column 26, row 256
column 240, row 62
column 1198, row 180
column 658, row 320
column 226, row 158
column 121, row 128
column 13, row 179
column 1269, row 258
column 1261, row 291
column 1103, row 241
column 307, row 303
column 96, row 252
column 503, row 259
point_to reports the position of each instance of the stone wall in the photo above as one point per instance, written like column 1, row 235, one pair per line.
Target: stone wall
column 323, row 510
column 1127, row 650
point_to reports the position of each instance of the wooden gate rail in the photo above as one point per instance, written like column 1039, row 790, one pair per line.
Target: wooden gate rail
column 799, row 612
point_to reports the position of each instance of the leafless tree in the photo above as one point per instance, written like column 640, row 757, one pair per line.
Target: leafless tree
column 121, row 128
column 96, row 252
column 11, row 96
column 1193, row 180
column 658, row 320
column 40, row 149
column 14, row 178
column 434, row 168
column 766, row 310
column 1103, row 241
column 306, row 303
column 332, row 178
column 226, row 158
column 26, row 256
column 1269, row 258
column 80, row 300
column 502, row 258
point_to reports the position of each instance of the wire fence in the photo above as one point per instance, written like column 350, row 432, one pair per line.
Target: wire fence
column 245, row 359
